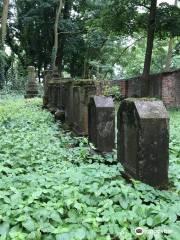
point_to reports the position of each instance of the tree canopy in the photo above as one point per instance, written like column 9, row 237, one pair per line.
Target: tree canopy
column 94, row 36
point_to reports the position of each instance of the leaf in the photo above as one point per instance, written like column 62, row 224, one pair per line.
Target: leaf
column 124, row 203
column 104, row 229
column 29, row 225
column 4, row 229
column 79, row 234
column 150, row 221
column 56, row 217
column 63, row 236
column 47, row 228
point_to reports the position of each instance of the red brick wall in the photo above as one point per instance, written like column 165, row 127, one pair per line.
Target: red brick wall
column 168, row 90
column 164, row 85
column 177, row 88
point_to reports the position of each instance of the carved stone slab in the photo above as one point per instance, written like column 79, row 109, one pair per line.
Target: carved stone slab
column 143, row 140
column 82, row 91
column 31, row 87
column 102, row 123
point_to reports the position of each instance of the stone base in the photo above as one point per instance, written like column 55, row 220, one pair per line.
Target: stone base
column 45, row 102
column 79, row 132
column 60, row 115
column 52, row 110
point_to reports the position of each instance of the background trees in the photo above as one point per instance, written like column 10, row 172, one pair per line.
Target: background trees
column 4, row 16
column 102, row 39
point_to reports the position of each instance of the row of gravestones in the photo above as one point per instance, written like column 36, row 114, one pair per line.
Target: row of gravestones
column 143, row 125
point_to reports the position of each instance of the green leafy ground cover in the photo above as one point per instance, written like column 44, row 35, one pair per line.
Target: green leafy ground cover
column 53, row 187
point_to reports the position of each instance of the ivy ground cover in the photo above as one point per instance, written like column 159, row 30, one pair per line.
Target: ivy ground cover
column 53, row 187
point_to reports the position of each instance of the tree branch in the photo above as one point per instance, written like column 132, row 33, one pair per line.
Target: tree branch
column 124, row 50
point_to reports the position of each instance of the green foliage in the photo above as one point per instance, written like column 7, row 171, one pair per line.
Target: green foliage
column 3, row 57
column 93, row 36
column 129, row 53
column 168, row 21
column 34, row 29
column 113, row 91
column 53, row 187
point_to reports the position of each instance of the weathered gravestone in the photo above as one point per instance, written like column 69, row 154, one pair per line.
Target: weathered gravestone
column 53, row 94
column 102, row 123
column 31, row 87
column 47, row 78
column 82, row 91
column 143, row 140
column 51, row 81
column 68, row 101
column 76, row 109
column 62, row 93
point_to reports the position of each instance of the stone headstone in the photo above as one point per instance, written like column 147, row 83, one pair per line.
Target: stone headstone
column 55, row 85
column 102, row 123
column 82, row 91
column 53, row 94
column 62, row 93
column 68, row 101
column 47, row 77
column 31, row 87
column 76, row 109
column 143, row 140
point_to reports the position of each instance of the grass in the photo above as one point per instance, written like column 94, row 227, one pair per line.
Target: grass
column 53, row 187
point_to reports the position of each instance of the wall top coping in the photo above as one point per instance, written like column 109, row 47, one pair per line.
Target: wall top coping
column 68, row 81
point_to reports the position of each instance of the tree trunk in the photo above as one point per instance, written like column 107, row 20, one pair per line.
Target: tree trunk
column 149, row 48
column 170, row 49
column 86, row 65
column 2, row 40
column 72, row 66
column 63, row 37
column 39, row 73
column 56, row 37
column 169, row 55
column 4, row 22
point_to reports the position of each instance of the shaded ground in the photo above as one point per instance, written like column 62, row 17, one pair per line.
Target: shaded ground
column 52, row 187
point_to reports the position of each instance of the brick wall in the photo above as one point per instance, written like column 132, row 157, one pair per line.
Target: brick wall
column 163, row 85
column 168, row 90
column 177, row 88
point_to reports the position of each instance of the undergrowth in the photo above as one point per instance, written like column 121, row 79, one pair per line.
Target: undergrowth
column 53, row 187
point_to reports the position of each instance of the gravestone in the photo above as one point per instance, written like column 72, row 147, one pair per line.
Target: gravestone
column 68, row 101
column 143, row 140
column 62, row 93
column 82, row 91
column 47, row 78
column 31, row 87
column 50, row 93
column 55, row 84
column 102, row 123
column 76, row 109
column 51, row 81
column 53, row 92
